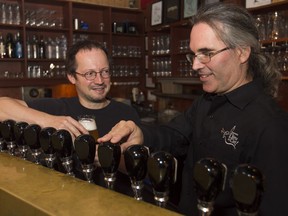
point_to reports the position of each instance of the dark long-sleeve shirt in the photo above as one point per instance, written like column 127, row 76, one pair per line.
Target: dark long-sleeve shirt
column 243, row 126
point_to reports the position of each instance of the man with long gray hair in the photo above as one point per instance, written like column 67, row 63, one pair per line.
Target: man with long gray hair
column 236, row 121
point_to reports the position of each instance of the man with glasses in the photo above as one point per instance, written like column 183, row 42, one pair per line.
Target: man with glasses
column 236, row 121
column 89, row 70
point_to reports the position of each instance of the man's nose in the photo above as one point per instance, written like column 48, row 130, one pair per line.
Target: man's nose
column 196, row 65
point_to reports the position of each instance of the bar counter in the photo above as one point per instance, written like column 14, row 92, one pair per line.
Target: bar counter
column 30, row 189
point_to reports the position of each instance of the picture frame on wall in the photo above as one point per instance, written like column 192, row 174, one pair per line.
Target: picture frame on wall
column 171, row 11
column 189, row 8
column 156, row 13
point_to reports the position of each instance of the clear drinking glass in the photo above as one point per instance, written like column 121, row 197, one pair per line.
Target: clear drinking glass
column 89, row 122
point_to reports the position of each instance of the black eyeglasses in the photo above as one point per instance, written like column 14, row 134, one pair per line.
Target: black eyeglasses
column 204, row 57
column 91, row 75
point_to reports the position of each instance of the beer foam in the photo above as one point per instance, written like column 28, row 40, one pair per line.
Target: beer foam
column 89, row 124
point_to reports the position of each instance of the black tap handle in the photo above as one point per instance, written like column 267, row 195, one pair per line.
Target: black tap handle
column 136, row 157
column 162, row 169
column 62, row 143
column 247, row 188
column 209, row 177
column 3, row 144
column 85, row 148
column 31, row 136
column 45, row 139
column 109, row 155
column 7, row 130
column 18, row 129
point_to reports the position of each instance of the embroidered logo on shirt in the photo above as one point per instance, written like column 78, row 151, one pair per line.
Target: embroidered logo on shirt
column 230, row 137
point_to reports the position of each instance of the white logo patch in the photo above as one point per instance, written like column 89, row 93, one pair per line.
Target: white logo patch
column 230, row 137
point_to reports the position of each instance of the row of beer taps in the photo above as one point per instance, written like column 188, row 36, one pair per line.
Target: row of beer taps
column 209, row 175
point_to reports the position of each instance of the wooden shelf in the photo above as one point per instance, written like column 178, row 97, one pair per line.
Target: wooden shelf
column 179, row 96
column 92, row 14
column 16, row 82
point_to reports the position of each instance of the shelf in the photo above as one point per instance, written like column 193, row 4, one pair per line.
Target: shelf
column 188, row 81
column 11, row 59
column 65, row 13
column 45, row 60
column 90, row 32
column 280, row 40
column 178, row 96
column 127, row 35
column 10, row 26
column 31, row 82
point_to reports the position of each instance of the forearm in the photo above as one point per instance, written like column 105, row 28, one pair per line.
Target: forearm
column 19, row 111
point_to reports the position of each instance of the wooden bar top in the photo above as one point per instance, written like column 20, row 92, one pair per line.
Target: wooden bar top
column 30, row 189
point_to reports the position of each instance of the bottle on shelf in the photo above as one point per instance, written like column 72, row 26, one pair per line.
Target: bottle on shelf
column 17, row 19
column 18, row 46
column 2, row 46
column 29, row 48
column 34, row 46
column 9, row 46
column 57, row 47
column 41, row 48
column 49, row 48
column 3, row 12
column 9, row 14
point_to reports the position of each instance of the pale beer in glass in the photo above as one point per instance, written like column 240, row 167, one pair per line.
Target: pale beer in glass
column 90, row 124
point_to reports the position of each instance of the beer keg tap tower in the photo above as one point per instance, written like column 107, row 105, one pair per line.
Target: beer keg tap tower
column 19, row 128
column 247, row 188
column 3, row 145
column 8, row 135
column 209, row 176
column 136, row 157
column 46, row 145
column 85, row 148
column 162, row 172
column 31, row 137
column 109, row 155
column 62, row 143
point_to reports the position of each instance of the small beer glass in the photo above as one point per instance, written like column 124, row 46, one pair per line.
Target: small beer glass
column 88, row 121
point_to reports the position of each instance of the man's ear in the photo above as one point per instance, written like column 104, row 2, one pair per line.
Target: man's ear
column 71, row 78
column 244, row 53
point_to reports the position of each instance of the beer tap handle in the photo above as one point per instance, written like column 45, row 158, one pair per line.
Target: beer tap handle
column 136, row 157
column 109, row 155
column 247, row 188
column 3, row 145
column 85, row 148
column 209, row 176
column 45, row 138
column 162, row 172
column 63, row 145
column 8, row 135
column 31, row 137
column 19, row 128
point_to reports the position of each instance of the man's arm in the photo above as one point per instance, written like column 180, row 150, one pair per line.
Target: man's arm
column 18, row 110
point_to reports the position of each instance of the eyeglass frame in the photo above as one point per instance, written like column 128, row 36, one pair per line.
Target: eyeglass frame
column 191, row 57
column 95, row 73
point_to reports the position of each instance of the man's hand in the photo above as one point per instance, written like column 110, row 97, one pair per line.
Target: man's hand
column 64, row 122
column 126, row 132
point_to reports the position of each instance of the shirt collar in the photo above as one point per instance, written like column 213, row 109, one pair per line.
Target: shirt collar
column 243, row 95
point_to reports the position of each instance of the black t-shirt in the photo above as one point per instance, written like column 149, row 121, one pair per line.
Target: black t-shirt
column 106, row 117
column 243, row 126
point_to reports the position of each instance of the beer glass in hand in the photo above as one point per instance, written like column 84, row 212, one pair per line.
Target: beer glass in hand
column 88, row 122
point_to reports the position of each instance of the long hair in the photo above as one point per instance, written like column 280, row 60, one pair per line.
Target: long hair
column 235, row 26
